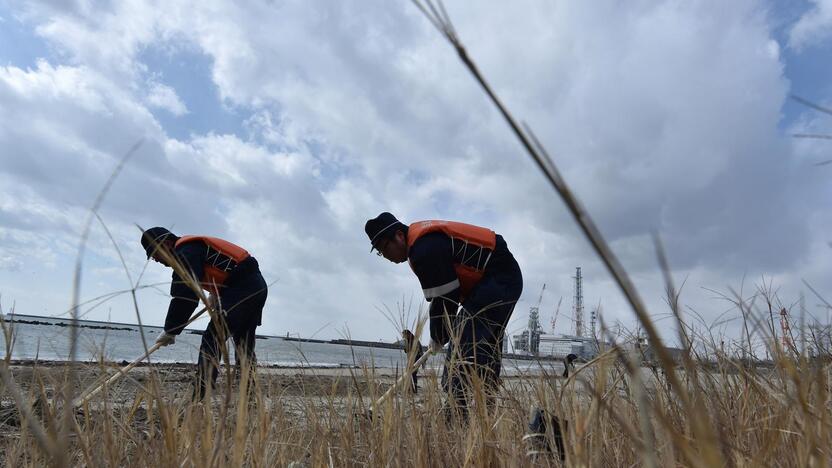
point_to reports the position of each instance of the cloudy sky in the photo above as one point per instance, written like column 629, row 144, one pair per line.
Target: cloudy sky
column 284, row 125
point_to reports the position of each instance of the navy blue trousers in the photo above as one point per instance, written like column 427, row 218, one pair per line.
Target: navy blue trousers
column 479, row 330
column 242, row 310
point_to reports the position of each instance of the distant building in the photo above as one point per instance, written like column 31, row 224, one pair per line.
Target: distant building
column 645, row 352
column 563, row 345
column 521, row 342
column 558, row 346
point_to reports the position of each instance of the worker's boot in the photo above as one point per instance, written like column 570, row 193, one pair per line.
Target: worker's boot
column 537, row 440
column 201, row 389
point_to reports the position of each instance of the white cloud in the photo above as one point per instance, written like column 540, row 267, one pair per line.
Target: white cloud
column 661, row 116
column 813, row 27
column 9, row 263
column 164, row 97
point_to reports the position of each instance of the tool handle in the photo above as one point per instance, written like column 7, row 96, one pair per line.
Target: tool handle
column 416, row 365
column 89, row 393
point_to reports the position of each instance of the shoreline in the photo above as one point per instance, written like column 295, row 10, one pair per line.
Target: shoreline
column 109, row 363
column 509, row 372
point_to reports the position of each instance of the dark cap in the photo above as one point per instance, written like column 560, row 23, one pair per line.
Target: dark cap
column 154, row 236
column 381, row 227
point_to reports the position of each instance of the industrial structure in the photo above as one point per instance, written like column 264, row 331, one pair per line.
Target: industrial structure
column 578, row 301
column 786, row 335
column 535, row 342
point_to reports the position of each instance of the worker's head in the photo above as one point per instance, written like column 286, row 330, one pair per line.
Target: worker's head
column 158, row 244
column 570, row 358
column 388, row 236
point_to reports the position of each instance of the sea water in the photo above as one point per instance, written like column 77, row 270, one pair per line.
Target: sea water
column 48, row 339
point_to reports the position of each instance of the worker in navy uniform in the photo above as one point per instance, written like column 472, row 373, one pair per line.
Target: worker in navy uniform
column 237, row 291
column 472, row 282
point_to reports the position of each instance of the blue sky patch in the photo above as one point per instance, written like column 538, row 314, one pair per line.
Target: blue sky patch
column 19, row 46
column 188, row 72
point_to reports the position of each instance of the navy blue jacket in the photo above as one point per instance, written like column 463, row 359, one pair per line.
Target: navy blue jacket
column 431, row 258
column 184, row 300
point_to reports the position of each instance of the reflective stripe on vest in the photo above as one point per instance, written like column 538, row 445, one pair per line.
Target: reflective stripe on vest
column 472, row 247
column 221, row 258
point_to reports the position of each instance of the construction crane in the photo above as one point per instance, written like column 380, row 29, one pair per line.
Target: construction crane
column 555, row 315
column 540, row 299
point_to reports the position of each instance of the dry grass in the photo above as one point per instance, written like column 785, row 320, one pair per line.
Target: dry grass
column 726, row 412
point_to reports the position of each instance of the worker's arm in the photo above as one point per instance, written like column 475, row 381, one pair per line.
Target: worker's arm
column 184, row 299
column 432, row 261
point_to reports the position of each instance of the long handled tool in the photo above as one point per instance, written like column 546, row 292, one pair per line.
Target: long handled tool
column 89, row 393
column 416, row 365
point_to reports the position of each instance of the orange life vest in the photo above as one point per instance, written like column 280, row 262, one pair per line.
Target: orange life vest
column 221, row 259
column 473, row 245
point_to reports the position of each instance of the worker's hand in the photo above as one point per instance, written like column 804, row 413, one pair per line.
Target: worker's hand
column 435, row 347
column 165, row 339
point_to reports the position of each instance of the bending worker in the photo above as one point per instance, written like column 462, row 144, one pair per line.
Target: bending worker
column 457, row 265
column 237, row 292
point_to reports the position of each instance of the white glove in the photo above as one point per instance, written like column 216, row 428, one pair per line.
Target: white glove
column 435, row 347
column 165, row 339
